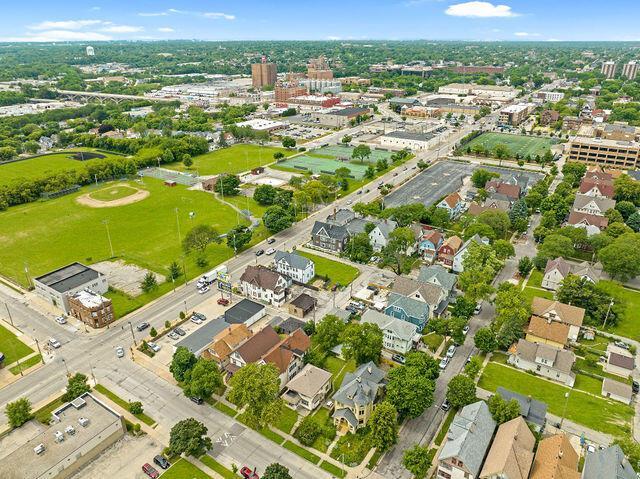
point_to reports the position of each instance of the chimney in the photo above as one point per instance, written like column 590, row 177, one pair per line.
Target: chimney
column 369, row 369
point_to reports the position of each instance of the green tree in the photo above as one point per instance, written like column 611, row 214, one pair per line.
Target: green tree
column 497, row 220
column 383, row 426
column 621, row 259
column 77, row 385
column 519, row 211
column 265, row 195
column 480, row 177
column 525, row 265
column 504, row 249
column 346, row 139
column 135, row 407
column 182, row 362
column 555, row 245
column 370, row 173
column 308, row 431
column 152, row 332
column 362, row 342
column 18, row 412
column 238, row 237
column 614, row 216
column 417, row 461
column 409, row 391
column 174, row 271
column 149, row 282
column 626, row 208
column 227, row 185
column 501, row 410
column 512, row 313
column 288, row 142
column 461, row 391
column 199, row 237
column 501, row 151
column 463, row 308
column 203, row 379
column 278, row 155
column 599, row 305
column 187, row 161
column 277, row 219
column 257, row 387
column 342, row 172
column 361, row 152
column 630, row 448
column 329, row 332
column 480, row 268
column 189, row 437
column 473, row 367
column 359, row 249
column 276, row 471
column 633, row 221
column 485, row 340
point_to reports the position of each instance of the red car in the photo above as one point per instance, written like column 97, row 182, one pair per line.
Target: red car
column 150, row 471
column 223, row 301
column 248, row 473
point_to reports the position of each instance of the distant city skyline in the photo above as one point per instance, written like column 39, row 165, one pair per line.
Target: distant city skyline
column 500, row 20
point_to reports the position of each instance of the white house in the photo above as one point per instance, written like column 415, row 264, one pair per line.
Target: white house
column 308, row 388
column 462, row 252
column 295, row 266
column 262, row 284
column 592, row 205
column 379, row 236
column 545, row 360
column 398, row 336
column 558, row 269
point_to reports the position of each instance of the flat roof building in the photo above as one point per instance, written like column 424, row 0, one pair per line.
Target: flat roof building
column 91, row 308
column 200, row 339
column 407, row 139
column 245, row 312
column 515, row 114
column 604, row 152
column 263, row 74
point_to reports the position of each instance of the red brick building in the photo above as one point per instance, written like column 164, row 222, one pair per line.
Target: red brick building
column 91, row 308
column 284, row 92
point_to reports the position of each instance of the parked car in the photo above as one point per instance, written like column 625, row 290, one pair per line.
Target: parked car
column 270, row 251
column 150, row 471
column 223, row 301
column 444, row 362
column 54, row 343
column 154, row 347
column 260, row 252
column 120, row 352
column 199, row 316
column 635, row 387
column 398, row 358
column 61, row 320
column 173, row 335
column 248, row 473
column 180, row 331
column 445, row 405
column 451, row 351
column 204, row 289
column 196, row 320
column 142, row 326
column 621, row 344
column 161, row 461
column 478, row 308
column 196, row 399
column 271, row 240
column 465, row 330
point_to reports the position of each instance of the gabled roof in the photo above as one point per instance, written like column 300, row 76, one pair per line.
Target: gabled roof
column 430, row 292
column 386, row 227
column 469, row 436
column 512, row 191
column 304, row 302
column 603, row 204
column 242, row 311
column 341, row 217
column 226, row 341
column 555, row 459
column 560, row 264
column 477, row 239
column 361, row 387
column 294, row 260
column 511, row 453
column 532, row 410
column 621, row 361
column 281, row 354
column 617, row 388
column 309, row 381
column 327, row 229
column 610, row 463
column 438, row 272
column 565, row 313
column 402, row 329
column 560, row 359
column 453, row 242
column 258, row 345
column 262, row 277
column 576, row 218
column 452, row 200
column 550, row 330
column 412, row 307
column 604, row 186
column 432, row 235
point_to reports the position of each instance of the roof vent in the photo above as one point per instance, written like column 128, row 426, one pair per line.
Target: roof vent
column 70, row 430
column 59, row 436
column 39, row 449
column 83, row 421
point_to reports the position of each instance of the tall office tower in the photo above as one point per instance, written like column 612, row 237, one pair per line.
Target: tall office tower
column 263, row 73
column 630, row 70
column 90, row 51
column 608, row 69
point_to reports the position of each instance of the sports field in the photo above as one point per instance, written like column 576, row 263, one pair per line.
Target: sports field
column 339, row 151
column 235, row 159
column 50, row 234
column 113, row 193
column 323, row 165
column 40, row 165
column 517, row 144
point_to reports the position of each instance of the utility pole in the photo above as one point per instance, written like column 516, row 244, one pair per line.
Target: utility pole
column 9, row 314
column 564, row 409
column 92, row 374
column 604, row 325
column 65, row 366
column 132, row 334
column 106, row 224
column 39, row 351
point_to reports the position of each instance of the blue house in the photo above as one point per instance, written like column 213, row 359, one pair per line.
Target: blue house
column 407, row 309
column 429, row 243
column 453, row 204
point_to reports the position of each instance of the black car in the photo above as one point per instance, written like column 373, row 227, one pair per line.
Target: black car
column 260, row 252
column 271, row 240
column 142, row 326
column 196, row 399
column 635, row 386
column 161, row 461
column 180, row 331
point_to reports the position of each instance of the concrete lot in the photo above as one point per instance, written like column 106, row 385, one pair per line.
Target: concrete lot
column 441, row 179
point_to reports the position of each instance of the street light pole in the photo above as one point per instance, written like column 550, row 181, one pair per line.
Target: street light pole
column 564, row 409
column 604, row 325
column 132, row 334
column 65, row 366
column 9, row 313
column 178, row 222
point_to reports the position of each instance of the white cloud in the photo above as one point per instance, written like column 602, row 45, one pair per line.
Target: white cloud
column 122, row 29
column 526, row 34
column 153, row 14
column 65, row 25
column 216, row 15
column 59, row 36
column 174, row 11
column 166, row 29
column 477, row 9
column 95, row 9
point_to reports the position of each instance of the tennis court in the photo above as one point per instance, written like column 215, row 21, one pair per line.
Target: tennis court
column 345, row 152
column 169, row 175
column 517, row 144
column 323, row 165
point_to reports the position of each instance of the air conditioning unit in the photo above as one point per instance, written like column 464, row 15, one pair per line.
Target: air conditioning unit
column 59, row 436
column 83, row 421
column 39, row 449
column 70, row 430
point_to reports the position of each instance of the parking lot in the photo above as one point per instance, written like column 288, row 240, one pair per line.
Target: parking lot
column 303, row 132
column 444, row 178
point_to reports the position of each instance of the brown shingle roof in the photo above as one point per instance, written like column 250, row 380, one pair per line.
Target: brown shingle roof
column 281, row 354
column 258, row 345
column 262, row 277
column 454, row 242
column 511, row 191
column 555, row 459
column 576, row 218
column 564, row 312
column 621, row 361
column 560, row 264
column 551, row 331
column 511, row 453
column 452, row 200
column 605, row 186
column 226, row 341
column 304, row 302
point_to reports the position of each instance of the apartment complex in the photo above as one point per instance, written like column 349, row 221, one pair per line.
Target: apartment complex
column 515, row 114
column 285, row 91
column 263, row 73
column 318, row 69
column 608, row 69
column 630, row 70
column 604, row 152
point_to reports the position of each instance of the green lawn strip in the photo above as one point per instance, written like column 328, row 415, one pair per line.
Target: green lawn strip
column 349, row 367
column 217, row 467
column 266, row 432
column 337, row 272
column 111, row 193
column 323, row 417
column 535, row 280
column 333, row 469
column 123, row 404
column 432, row 341
column 26, row 364
column 228, row 410
column 351, row 449
column 500, row 358
column 12, row 347
column 43, row 414
column 583, row 365
column 588, row 384
column 530, row 293
column 247, row 203
column 302, row 452
column 444, row 427
column 287, row 420
column 373, row 462
column 629, row 324
column 599, row 344
column 183, row 469
column 593, row 412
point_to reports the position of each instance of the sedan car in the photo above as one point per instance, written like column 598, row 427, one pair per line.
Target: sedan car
column 54, row 343
column 398, row 358
column 161, row 461
column 444, row 362
column 142, row 326
column 203, row 290
column 248, row 473
column 271, row 240
column 451, row 351
column 61, row 320
column 223, row 301
column 180, row 331
column 199, row 316
column 260, row 252
column 120, row 352
column 154, row 347
column 465, row 330
column 270, row 251
column 445, row 405
column 173, row 335
column 196, row 320
column 150, row 471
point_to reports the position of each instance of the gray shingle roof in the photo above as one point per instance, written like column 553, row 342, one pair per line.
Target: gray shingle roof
column 469, row 436
column 412, row 307
column 532, row 410
column 603, row 204
column 362, row 386
column 402, row 329
column 332, row 231
column 386, row 227
column 438, row 273
column 430, row 292
column 609, row 463
column 294, row 260
column 561, row 360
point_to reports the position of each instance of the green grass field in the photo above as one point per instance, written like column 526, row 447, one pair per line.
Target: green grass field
column 183, row 469
column 318, row 165
column 217, row 467
column 26, row 364
column 629, row 324
column 339, row 151
column 113, row 193
column 12, row 348
column 518, row 144
column 38, row 166
column 149, row 421
column 338, row 273
column 47, row 235
column 596, row 413
column 235, row 159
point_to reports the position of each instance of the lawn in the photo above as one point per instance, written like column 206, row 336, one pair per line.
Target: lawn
column 217, row 467
column 593, row 412
column 588, row 384
column 301, row 451
column 43, row 165
column 24, row 365
column 599, row 344
column 323, row 417
column 123, row 404
column 432, row 341
column 144, row 233
column 228, row 410
column 351, row 449
column 535, row 280
column 287, row 420
column 445, row 427
column 113, row 193
column 318, row 165
column 530, row 293
column 234, row 159
column 349, row 367
column 183, row 469
column 12, row 348
column 246, row 203
column 333, row 470
column 337, row 272
column 517, row 144
column 629, row 324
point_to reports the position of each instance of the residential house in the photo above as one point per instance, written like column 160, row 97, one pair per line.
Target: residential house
column 302, row 305
column 509, row 190
column 546, row 361
column 341, row 217
column 429, row 244
column 263, row 284
column 555, row 459
column 458, row 259
column 532, row 410
column 511, row 453
column 411, row 310
column 616, row 390
column 427, row 292
column 398, row 336
column 379, row 236
column 354, row 402
column 448, row 251
column 225, row 342
column 467, row 443
column 596, row 187
column 547, row 331
column 592, row 223
column 609, row 463
column 619, row 361
column 453, row 203
column 253, row 349
column 438, row 275
column 558, row 269
column 572, row 316
column 288, row 355
column 592, row 205
column 289, row 325
column 329, row 237
column 308, row 388
column 295, row 266
column 490, row 204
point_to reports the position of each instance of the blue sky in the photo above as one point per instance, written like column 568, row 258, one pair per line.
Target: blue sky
column 95, row 20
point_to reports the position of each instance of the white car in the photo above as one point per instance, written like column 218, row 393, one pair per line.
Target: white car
column 270, row 251
column 196, row 320
column 465, row 330
column 444, row 362
column 173, row 335
column 154, row 347
column 61, row 320
column 203, row 290
column 120, row 352
column 451, row 351
column 54, row 343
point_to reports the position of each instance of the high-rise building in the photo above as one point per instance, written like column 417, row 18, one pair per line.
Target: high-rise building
column 285, row 91
column 630, row 70
column 90, row 51
column 263, row 73
column 318, row 69
column 608, row 69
